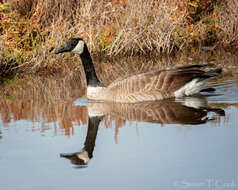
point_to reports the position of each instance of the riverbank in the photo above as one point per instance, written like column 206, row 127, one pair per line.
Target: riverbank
column 31, row 30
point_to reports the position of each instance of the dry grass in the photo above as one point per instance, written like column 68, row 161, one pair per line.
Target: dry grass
column 227, row 18
column 109, row 27
column 112, row 27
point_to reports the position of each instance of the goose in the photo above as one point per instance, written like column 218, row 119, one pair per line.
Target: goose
column 148, row 86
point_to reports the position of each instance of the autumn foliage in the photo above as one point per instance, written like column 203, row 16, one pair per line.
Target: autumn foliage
column 31, row 30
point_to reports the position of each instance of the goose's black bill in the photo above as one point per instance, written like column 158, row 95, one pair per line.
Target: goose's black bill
column 68, row 46
column 63, row 49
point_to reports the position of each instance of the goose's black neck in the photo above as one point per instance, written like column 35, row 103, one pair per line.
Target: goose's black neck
column 91, row 76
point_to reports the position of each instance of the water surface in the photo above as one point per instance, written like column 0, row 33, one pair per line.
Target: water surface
column 48, row 140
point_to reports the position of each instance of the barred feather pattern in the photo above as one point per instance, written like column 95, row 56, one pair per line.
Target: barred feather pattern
column 150, row 86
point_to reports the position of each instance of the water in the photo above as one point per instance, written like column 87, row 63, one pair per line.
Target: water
column 47, row 140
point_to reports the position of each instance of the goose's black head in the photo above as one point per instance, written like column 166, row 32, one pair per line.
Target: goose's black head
column 75, row 45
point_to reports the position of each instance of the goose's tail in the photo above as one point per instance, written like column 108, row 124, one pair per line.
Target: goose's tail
column 212, row 73
column 197, row 84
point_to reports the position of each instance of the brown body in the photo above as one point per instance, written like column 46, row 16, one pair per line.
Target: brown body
column 150, row 86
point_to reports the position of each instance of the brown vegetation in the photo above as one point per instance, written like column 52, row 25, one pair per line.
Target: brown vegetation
column 30, row 30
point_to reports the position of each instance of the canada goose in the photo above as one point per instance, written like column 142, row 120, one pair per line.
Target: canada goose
column 149, row 86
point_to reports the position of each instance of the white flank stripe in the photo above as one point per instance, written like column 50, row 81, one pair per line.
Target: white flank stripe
column 192, row 87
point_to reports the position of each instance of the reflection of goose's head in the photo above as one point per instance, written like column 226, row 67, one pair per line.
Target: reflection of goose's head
column 77, row 158
column 149, row 86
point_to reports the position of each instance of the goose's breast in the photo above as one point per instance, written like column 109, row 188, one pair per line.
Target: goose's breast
column 98, row 93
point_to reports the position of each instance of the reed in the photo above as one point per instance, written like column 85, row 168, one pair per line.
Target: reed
column 31, row 30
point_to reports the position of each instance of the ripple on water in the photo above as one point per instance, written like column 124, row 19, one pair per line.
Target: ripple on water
column 226, row 91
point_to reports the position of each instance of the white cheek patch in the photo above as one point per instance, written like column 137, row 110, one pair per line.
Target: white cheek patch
column 79, row 47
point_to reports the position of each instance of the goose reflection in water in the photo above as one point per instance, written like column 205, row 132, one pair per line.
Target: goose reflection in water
column 184, row 111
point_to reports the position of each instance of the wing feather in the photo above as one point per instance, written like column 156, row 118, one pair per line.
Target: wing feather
column 156, row 85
